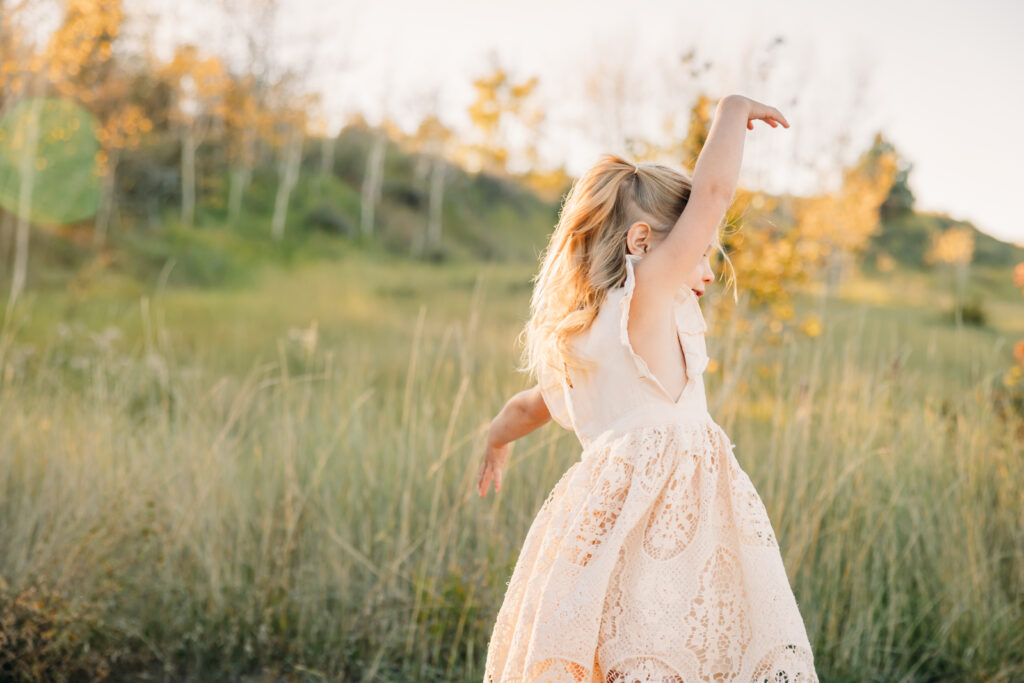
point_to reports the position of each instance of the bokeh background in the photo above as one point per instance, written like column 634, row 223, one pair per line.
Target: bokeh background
column 263, row 265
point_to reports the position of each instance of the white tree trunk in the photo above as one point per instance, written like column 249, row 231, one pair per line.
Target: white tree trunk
column 289, row 174
column 26, row 179
column 106, row 210
column 372, row 183
column 188, row 175
column 241, row 176
column 326, row 160
column 437, row 177
column 6, row 236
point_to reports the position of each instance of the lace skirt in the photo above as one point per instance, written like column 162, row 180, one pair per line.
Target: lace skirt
column 652, row 560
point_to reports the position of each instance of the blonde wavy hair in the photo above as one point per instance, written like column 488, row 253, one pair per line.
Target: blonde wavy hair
column 586, row 255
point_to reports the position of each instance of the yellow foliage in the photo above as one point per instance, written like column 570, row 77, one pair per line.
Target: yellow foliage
column 82, row 46
column 782, row 310
column 847, row 219
column 124, row 127
column 76, row 62
column 811, row 326
column 885, row 263
column 952, row 246
column 548, row 184
column 200, row 84
column 245, row 120
column 1018, row 275
column 775, row 243
column 497, row 97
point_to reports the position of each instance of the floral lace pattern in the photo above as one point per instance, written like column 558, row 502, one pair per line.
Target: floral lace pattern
column 651, row 560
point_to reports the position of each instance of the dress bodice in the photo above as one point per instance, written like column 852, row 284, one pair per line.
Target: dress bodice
column 621, row 391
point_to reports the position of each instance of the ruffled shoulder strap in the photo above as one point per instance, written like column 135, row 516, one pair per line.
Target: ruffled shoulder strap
column 689, row 321
column 625, row 302
column 553, row 388
column 689, row 317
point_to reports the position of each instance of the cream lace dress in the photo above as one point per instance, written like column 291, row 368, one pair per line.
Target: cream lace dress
column 652, row 560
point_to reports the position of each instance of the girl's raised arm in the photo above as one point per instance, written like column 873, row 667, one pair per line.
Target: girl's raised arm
column 714, row 182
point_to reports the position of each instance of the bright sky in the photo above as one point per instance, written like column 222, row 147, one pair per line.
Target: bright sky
column 940, row 80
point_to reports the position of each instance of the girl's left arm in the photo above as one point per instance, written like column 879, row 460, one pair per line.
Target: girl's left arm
column 523, row 413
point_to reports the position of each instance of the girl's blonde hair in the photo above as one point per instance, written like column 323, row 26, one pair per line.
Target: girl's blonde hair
column 586, row 255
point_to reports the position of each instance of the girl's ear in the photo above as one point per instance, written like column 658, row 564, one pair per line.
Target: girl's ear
column 638, row 238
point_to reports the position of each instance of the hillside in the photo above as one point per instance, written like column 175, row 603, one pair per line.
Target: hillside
column 483, row 218
column 907, row 236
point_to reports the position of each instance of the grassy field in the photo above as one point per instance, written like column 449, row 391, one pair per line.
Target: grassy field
column 278, row 477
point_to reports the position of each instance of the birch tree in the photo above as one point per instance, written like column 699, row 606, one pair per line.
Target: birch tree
column 290, row 157
column 432, row 142
column 199, row 106
column 29, row 144
column 372, row 179
column 247, row 119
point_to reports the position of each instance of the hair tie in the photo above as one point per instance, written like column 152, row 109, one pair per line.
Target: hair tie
column 636, row 168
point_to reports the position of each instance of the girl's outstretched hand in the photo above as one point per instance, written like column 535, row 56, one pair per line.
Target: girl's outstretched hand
column 490, row 468
column 768, row 114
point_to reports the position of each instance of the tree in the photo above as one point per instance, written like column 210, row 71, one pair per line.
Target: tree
column 247, row 119
column 954, row 247
column 842, row 222
column 81, row 66
column 289, row 134
column 26, row 174
column 200, row 84
column 900, row 199
column 373, row 179
column 432, row 142
column 687, row 148
column 20, row 75
column 501, row 102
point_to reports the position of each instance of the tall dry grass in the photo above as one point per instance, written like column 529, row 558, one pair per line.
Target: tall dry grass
column 316, row 515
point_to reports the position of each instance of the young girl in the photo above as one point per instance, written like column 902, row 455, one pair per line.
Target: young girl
column 653, row 559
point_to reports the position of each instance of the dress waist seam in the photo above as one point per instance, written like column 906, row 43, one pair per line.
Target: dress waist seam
column 632, row 421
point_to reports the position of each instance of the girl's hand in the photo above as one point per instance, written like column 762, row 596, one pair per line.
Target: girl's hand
column 757, row 110
column 494, row 461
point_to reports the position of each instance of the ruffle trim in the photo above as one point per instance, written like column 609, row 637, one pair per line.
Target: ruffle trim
column 552, row 389
column 689, row 323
